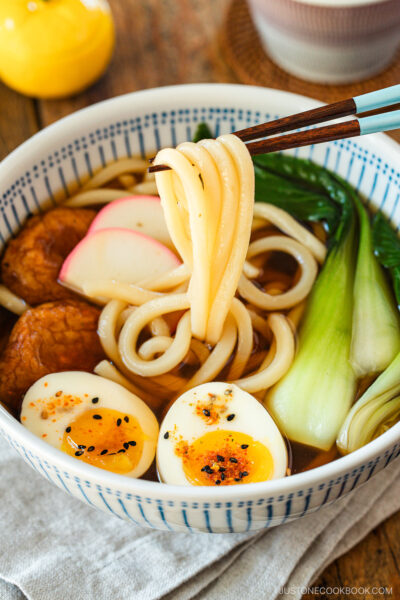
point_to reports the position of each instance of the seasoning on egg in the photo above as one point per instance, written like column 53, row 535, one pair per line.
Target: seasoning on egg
column 82, row 411
column 230, row 417
column 166, row 435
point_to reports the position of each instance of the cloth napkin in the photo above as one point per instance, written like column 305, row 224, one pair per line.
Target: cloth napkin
column 54, row 547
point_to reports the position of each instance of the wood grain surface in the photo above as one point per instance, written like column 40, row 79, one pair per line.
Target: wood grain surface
column 163, row 42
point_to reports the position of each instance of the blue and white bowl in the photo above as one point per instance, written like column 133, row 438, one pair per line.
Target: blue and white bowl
column 53, row 162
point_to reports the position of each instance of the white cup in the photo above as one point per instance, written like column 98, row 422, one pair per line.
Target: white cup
column 329, row 41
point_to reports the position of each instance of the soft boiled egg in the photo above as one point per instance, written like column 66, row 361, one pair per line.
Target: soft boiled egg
column 217, row 434
column 93, row 419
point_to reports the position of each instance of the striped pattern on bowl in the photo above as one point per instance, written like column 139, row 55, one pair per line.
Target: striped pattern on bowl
column 56, row 160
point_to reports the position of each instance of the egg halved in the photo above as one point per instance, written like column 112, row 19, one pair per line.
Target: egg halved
column 218, row 434
column 93, row 419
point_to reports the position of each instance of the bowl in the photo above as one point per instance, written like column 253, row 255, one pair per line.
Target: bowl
column 139, row 123
column 329, row 41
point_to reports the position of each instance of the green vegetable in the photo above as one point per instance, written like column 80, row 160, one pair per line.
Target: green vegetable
column 387, row 250
column 376, row 328
column 310, row 403
column 203, row 132
column 373, row 413
column 304, row 189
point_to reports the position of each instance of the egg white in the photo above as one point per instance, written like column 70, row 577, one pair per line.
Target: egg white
column 251, row 418
column 87, row 386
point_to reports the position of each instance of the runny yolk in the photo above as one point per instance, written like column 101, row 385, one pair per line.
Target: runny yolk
column 225, row 458
column 105, row 438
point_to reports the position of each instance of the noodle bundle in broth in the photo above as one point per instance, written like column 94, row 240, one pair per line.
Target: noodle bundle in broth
column 228, row 320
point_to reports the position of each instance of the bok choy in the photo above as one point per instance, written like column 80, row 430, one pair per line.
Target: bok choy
column 376, row 329
column 387, row 250
column 310, row 403
column 374, row 412
column 351, row 325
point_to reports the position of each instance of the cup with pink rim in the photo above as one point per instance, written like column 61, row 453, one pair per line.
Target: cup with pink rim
column 329, row 41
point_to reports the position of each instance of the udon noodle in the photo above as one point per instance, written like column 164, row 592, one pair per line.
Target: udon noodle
column 210, row 313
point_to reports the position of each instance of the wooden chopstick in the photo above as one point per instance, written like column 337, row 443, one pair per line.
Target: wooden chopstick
column 328, row 133
column 343, row 108
column 295, row 140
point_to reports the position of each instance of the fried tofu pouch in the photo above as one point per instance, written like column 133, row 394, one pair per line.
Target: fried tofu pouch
column 53, row 337
column 32, row 261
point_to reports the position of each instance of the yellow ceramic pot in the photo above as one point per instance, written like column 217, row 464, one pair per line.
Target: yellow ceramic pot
column 54, row 48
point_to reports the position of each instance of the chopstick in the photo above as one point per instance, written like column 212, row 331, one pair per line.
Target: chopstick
column 355, row 127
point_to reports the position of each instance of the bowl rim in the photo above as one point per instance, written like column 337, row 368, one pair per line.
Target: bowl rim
column 340, row 4
column 23, row 436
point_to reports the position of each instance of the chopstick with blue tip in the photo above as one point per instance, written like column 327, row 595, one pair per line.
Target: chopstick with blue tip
column 340, row 131
column 343, row 108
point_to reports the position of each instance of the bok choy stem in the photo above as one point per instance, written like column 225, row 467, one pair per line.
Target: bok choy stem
column 376, row 328
column 310, row 403
column 377, row 407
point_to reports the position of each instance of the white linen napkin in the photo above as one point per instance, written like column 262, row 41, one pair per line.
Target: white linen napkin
column 53, row 547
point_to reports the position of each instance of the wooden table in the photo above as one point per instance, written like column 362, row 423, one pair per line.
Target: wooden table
column 162, row 42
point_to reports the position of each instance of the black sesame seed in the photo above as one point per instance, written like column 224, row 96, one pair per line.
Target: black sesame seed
column 222, row 469
column 126, row 419
column 203, row 469
column 233, row 459
column 90, row 449
column 206, row 412
column 220, row 458
column 81, row 446
column 244, row 446
column 243, row 474
column 132, row 443
column 222, row 476
column 122, row 450
column 126, row 445
column 208, row 469
column 119, row 421
column 68, row 429
column 95, row 400
column 230, row 417
column 79, row 453
column 166, row 435
column 237, row 479
column 217, row 482
column 97, row 417
column 103, row 452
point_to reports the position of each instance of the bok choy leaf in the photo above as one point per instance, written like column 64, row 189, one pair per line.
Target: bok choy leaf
column 387, row 250
column 203, row 132
column 375, row 411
